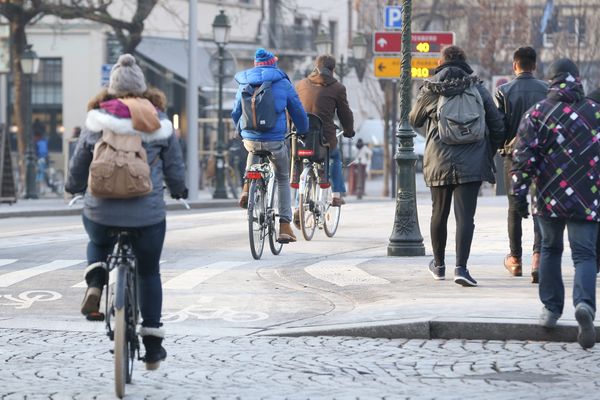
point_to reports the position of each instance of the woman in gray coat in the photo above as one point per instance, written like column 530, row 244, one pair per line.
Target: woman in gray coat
column 127, row 107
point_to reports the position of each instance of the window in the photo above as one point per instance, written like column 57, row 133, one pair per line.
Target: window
column 333, row 35
column 47, row 83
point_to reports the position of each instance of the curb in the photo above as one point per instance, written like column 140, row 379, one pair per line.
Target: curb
column 66, row 211
column 467, row 329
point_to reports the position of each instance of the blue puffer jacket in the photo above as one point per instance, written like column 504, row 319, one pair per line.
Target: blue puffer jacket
column 285, row 98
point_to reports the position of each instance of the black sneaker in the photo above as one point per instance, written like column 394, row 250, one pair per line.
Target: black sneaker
column 438, row 273
column 462, row 277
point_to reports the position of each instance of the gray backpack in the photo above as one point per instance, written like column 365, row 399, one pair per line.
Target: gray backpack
column 461, row 118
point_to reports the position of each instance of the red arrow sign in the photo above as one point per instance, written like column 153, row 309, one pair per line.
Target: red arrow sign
column 387, row 42
column 421, row 42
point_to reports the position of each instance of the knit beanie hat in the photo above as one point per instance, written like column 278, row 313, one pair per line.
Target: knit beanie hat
column 263, row 58
column 126, row 77
column 562, row 66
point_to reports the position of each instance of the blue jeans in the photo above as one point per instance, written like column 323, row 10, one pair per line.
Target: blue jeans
column 335, row 171
column 280, row 157
column 582, row 240
column 147, row 247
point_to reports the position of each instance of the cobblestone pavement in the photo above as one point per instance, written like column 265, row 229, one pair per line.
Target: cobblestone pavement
column 37, row 364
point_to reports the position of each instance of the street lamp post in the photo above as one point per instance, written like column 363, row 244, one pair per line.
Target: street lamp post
column 221, row 29
column 406, row 239
column 30, row 64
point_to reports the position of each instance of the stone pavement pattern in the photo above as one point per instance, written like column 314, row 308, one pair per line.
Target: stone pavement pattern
column 36, row 364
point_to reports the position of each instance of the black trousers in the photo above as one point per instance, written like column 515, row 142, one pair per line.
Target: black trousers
column 465, row 203
column 514, row 220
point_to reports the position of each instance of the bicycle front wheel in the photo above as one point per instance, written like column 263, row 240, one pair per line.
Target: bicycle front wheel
column 306, row 206
column 331, row 217
column 256, row 219
column 273, row 219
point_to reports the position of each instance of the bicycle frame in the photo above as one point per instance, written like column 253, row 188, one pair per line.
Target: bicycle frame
column 123, row 259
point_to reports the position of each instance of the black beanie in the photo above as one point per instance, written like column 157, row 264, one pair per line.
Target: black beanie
column 562, row 66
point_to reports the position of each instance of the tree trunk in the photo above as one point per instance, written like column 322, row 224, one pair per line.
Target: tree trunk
column 17, row 46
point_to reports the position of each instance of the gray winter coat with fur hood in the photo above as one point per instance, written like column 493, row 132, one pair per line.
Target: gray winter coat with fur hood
column 166, row 165
column 445, row 164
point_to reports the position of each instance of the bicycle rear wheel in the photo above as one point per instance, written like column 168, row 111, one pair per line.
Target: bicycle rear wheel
column 121, row 340
column 306, row 202
column 274, row 219
column 256, row 218
column 331, row 217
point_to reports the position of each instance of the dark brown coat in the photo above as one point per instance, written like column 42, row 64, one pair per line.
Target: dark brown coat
column 322, row 95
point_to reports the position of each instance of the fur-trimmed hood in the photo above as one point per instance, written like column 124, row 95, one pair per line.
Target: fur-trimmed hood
column 99, row 119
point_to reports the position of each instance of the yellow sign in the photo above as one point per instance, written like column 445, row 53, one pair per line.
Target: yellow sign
column 422, row 67
column 387, row 67
column 391, row 67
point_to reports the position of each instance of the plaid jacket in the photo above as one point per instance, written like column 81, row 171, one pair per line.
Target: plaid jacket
column 558, row 147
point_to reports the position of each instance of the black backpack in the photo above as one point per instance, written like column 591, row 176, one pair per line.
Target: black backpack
column 258, row 108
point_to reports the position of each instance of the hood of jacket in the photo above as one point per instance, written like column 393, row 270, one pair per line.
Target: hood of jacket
column 134, row 118
column 566, row 88
column 451, row 78
column 322, row 77
column 258, row 75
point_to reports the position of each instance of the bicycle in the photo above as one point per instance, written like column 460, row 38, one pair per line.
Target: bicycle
column 314, row 202
column 121, row 305
column 263, row 211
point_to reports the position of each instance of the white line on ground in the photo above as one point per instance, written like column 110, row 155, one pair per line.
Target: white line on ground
column 344, row 273
column 191, row 279
column 11, row 278
column 6, row 261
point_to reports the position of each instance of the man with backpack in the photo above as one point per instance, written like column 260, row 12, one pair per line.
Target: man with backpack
column 264, row 95
column 463, row 130
column 513, row 99
column 321, row 94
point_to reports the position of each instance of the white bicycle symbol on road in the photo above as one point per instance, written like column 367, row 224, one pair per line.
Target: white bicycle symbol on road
column 202, row 313
column 26, row 299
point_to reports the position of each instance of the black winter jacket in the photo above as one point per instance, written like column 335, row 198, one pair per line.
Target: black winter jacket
column 445, row 164
column 513, row 99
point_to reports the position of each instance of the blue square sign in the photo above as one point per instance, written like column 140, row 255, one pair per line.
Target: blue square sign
column 393, row 17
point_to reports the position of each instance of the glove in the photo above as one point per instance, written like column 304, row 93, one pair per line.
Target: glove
column 522, row 206
column 349, row 135
column 182, row 195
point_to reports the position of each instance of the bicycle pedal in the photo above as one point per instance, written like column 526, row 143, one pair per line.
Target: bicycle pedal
column 95, row 316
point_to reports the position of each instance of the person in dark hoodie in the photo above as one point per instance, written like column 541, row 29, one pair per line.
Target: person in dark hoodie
column 322, row 95
column 285, row 99
column 557, row 147
column 127, row 107
column 455, row 171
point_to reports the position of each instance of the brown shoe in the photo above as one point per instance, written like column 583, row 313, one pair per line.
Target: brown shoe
column 513, row 265
column 296, row 219
column 244, row 196
column 337, row 202
column 535, row 268
column 286, row 235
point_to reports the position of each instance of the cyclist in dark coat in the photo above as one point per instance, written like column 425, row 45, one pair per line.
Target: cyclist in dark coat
column 321, row 94
column 145, row 213
column 455, row 170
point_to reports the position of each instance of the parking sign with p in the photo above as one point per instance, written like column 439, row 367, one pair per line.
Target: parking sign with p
column 393, row 17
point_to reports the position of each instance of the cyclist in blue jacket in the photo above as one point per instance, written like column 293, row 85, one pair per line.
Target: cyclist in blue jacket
column 285, row 99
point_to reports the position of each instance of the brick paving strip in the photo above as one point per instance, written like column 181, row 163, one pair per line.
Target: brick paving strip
column 38, row 364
